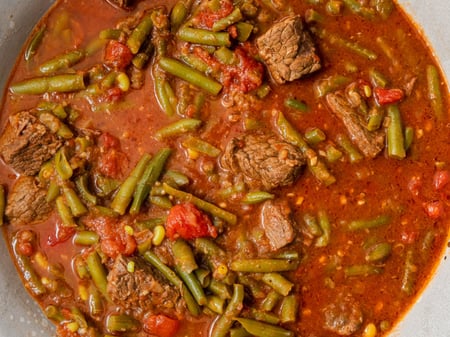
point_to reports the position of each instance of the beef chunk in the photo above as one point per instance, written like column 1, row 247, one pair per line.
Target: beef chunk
column 369, row 142
column 142, row 290
column 124, row 4
column 278, row 224
column 26, row 203
column 26, row 143
column 264, row 160
column 344, row 315
column 288, row 50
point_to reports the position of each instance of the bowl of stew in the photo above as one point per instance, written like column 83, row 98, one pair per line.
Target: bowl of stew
column 224, row 168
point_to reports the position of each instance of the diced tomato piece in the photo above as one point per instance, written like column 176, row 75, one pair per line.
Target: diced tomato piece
column 25, row 242
column 62, row 234
column 161, row 325
column 207, row 17
column 388, row 96
column 111, row 95
column 108, row 141
column 117, row 55
column 441, row 179
column 434, row 209
column 111, row 161
column 187, row 222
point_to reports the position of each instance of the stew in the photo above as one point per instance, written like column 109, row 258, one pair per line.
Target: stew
column 225, row 168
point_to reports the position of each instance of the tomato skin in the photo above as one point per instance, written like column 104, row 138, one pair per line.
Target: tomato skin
column 441, row 179
column 434, row 209
column 187, row 222
column 161, row 325
column 388, row 96
column 117, row 55
column 62, row 234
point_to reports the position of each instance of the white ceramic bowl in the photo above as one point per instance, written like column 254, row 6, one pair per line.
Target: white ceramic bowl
column 21, row 317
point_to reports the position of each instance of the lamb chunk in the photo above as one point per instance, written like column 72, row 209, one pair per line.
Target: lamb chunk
column 344, row 316
column 26, row 203
column 288, row 50
column 27, row 143
column 371, row 143
column 264, row 160
column 142, row 290
column 278, row 224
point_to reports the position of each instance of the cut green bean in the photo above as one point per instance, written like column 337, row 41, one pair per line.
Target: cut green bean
column 263, row 265
column 98, row 272
column 334, row 7
column 215, row 304
column 194, row 286
column 140, row 34
column 394, row 134
column 64, row 212
column 409, row 274
column 362, row 270
column 378, row 79
column 126, row 190
column 278, row 282
column 434, row 91
column 296, row 104
column 257, row 197
column 264, row 316
column 332, row 153
column 199, row 145
column 202, row 204
column 62, row 62
column 409, row 137
column 178, row 15
column 379, row 221
column 239, row 332
column 52, row 192
column 81, row 183
column 148, row 178
column 184, row 256
column 203, row 36
column 353, row 153
column 54, row 314
column 314, row 136
column 378, row 252
column 95, row 301
column 35, row 42
column 376, row 117
column 73, row 201
column 110, row 34
column 223, row 324
column 203, row 276
column 163, row 95
column 329, row 84
column 190, row 75
column 289, row 309
column 141, row 59
column 42, row 85
column 86, row 238
column 220, row 289
column 261, row 329
column 244, row 30
column 161, row 201
column 32, row 280
column 175, row 178
column 270, row 301
column 311, row 225
column 121, row 323
column 233, row 17
column 325, row 225
column 177, row 128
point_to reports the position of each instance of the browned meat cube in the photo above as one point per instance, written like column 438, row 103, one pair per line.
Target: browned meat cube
column 264, row 160
column 288, row 50
column 278, row 224
column 27, row 143
column 343, row 316
column 369, row 142
column 26, row 202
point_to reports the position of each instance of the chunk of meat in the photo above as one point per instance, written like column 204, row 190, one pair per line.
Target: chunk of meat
column 27, row 143
column 343, row 316
column 142, row 290
column 288, row 50
column 26, row 202
column 371, row 143
column 264, row 160
column 278, row 224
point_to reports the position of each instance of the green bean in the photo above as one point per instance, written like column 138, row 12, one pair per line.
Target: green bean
column 202, row 204
column 263, row 90
column 140, row 60
column 315, row 165
column 264, row 316
column 332, row 153
column 203, row 276
column 324, row 224
column 257, row 197
column 121, row 323
column 42, row 85
column 140, row 34
column 434, row 91
column 193, row 284
column 359, row 9
column 288, row 255
column 161, row 201
column 394, row 134
column 378, row 252
column 97, row 272
column 378, row 79
column 78, row 317
column 239, row 332
column 32, row 280
column 86, row 238
column 2, row 204
column 178, row 69
column 353, row 153
column 227, row 21
column 289, row 309
column 226, row 56
column 409, row 137
column 203, row 36
column 96, row 307
column 184, row 256
column 215, row 304
column 209, row 247
column 270, row 301
column 329, row 84
column 278, row 282
column 73, row 201
column 252, row 285
column 428, row 240
column 196, row 63
column 64, row 212
column 105, row 211
column 179, row 127
column 353, row 46
column 54, row 314
column 312, row 15
column 334, row 7
column 261, row 329
column 126, row 190
column 376, row 117
column 296, row 104
column 110, row 34
column 178, row 15
column 81, row 182
column 80, row 267
column 235, row 305
column 62, row 62
column 220, row 289
column 199, row 145
column 244, row 30
column 168, row 273
column 314, row 136
column 362, row 270
column 312, row 226
column 384, row 8
column 263, row 265
column 148, row 179
column 379, row 221
column 163, row 95
column 35, row 42
column 174, row 178
column 62, row 165
column 409, row 274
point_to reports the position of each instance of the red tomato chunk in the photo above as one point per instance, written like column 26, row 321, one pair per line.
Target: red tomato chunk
column 388, row 96
column 161, row 325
